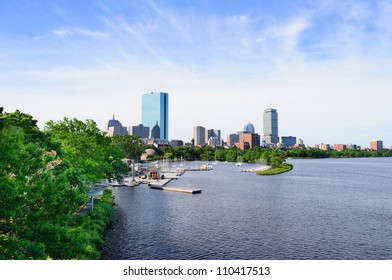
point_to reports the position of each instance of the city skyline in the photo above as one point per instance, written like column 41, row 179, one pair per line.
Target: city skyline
column 325, row 65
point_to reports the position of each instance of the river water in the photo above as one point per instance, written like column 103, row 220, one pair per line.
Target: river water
column 322, row 209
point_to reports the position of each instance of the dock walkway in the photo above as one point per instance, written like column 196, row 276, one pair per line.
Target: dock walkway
column 175, row 189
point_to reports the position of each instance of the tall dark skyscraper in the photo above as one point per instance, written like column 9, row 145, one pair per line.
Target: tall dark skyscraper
column 155, row 108
column 270, row 126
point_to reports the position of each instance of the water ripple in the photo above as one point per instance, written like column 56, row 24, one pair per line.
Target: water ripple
column 323, row 209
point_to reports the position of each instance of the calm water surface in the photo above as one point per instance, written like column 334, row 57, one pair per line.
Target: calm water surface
column 323, row 209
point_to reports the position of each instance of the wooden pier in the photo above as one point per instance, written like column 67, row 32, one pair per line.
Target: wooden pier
column 173, row 189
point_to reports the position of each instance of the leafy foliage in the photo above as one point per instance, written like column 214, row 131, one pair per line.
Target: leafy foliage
column 274, row 156
column 130, row 145
column 87, row 148
column 42, row 185
column 39, row 191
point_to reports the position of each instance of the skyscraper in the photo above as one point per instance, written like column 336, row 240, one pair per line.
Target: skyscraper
column 114, row 127
column 270, row 123
column 155, row 108
column 213, row 135
column 199, row 135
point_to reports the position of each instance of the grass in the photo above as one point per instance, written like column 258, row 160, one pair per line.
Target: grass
column 285, row 167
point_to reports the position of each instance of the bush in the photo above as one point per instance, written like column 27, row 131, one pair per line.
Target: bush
column 285, row 167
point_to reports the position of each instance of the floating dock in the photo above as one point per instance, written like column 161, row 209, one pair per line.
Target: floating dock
column 173, row 189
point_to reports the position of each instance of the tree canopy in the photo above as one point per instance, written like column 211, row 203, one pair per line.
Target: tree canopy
column 87, row 148
column 43, row 178
column 38, row 190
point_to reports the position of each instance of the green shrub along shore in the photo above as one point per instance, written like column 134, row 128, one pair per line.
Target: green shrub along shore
column 285, row 167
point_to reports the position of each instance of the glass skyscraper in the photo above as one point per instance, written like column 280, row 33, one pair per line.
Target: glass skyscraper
column 270, row 126
column 155, row 108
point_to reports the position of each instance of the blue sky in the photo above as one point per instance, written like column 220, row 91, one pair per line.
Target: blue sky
column 326, row 66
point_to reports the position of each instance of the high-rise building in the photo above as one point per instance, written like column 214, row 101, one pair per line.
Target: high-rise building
column 199, row 135
column 155, row 108
column 114, row 127
column 232, row 139
column 140, row 130
column 289, row 141
column 376, row 145
column 213, row 135
column 156, row 132
column 249, row 127
column 270, row 123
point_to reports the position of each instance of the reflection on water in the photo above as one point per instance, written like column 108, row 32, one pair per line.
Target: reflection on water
column 323, row 209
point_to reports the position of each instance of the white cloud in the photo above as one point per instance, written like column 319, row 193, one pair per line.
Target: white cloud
column 220, row 71
column 77, row 31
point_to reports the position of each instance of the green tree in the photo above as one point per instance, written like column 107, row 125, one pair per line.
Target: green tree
column 130, row 145
column 86, row 148
column 39, row 191
column 220, row 155
column 169, row 156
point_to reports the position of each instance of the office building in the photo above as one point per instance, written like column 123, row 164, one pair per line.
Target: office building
column 213, row 135
column 247, row 140
column 339, row 147
column 155, row 109
column 300, row 144
column 176, row 143
column 156, row 132
column 249, row 128
column 322, row 146
column 353, row 146
column 232, row 139
column 140, row 130
column 376, row 145
column 199, row 135
column 289, row 141
column 114, row 128
column 270, row 126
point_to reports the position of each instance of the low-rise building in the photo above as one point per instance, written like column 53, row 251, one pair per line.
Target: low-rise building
column 322, row 146
column 247, row 140
column 176, row 143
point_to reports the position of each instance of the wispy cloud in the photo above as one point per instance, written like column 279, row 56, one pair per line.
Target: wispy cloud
column 79, row 31
column 173, row 18
column 324, row 55
column 288, row 33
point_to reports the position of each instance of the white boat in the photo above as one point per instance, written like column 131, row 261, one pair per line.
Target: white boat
column 238, row 164
column 206, row 167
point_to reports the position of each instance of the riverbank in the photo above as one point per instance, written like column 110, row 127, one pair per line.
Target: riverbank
column 301, row 206
column 285, row 167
